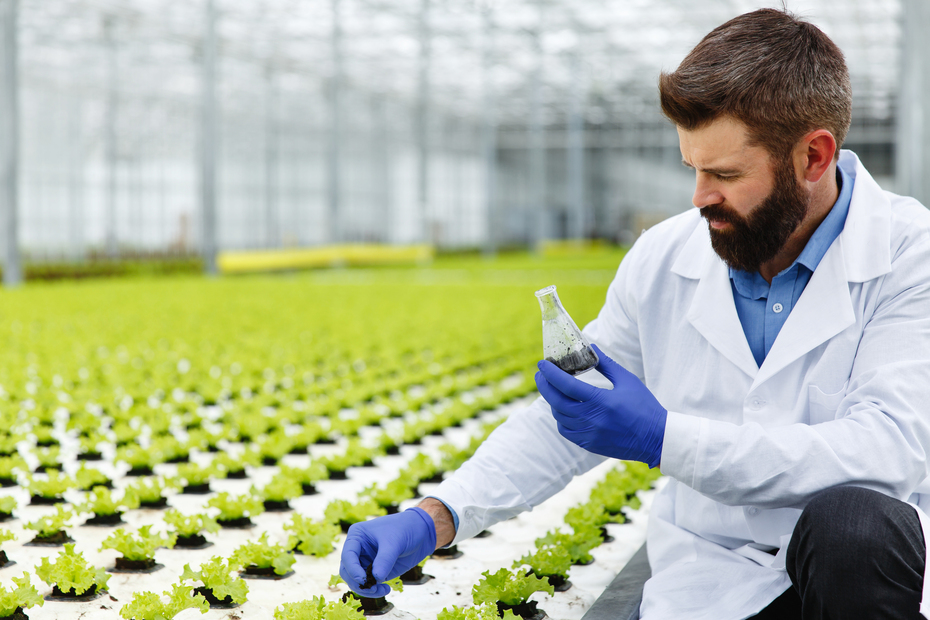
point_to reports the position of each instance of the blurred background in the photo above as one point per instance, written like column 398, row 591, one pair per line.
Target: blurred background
column 177, row 129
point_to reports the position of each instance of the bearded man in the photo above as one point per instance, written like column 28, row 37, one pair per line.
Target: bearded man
column 768, row 350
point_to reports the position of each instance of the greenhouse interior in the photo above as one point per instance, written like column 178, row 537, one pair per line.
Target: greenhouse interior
column 268, row 274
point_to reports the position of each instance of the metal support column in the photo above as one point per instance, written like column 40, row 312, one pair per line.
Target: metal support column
column 912, row 156
column 575, row 149
column 272, row 231
column 489, row 133
column 537, row 193
column 111, row 121
column 423, row 124
column 334, row 159
column 208, row 128
column 9, row 141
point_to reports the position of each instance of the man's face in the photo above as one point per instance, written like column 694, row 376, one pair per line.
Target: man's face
column 751, row 202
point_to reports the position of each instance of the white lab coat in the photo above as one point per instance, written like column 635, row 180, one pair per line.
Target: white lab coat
column 843, row 397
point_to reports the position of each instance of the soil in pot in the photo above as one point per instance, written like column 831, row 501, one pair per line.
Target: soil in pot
column 140, row 471
column 104, row 520
column 197, row 489
column 270, row 461
column 90, row 456
column 560, row 583
column 4, row 560
column 196, row 541
column 225, row 603
column 393, row 451
column 19, row 614
column 605, row 536
column 308, row 489
column 239, row 474
column 338, row 474
column 299, row 450
column 526, row 610
column 6, row 516
column 584, row 562
column 57, row 539
column 123, row 565
column 41, row 500
column 272, row 505
column 181, row 458
column 370, row 606
column 447, row 553
column 89, row 594
column 8, row 482
column 242, row 523
column 266, row 572
column 161, row 502
column 415, row 576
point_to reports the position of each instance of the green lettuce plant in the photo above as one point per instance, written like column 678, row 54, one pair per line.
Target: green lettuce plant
column 10, row 466
column 547, row 562
column 52, row 487
column 151, row 489
column 234, row 464
column 71, row 574
column 236, row 507
column 20, row 598
column 306, row 476
column 578, row 543
column 508, row 587
column 194, row 475
column 390, row 495
column 485, row 611
column 217, row 576
column 51, row 527
column 138, row 546
column 345, row 513
column 186, row 526
column 280, row 488
column 311, row 537
column 318, row 609
column 587, row 515
column 88, row 477
column 49, row 457
column 100, row 502
column 262, row 555
column 7, row 505
column 152, row 606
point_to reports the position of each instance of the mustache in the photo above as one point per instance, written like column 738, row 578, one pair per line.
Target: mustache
column 719, row 213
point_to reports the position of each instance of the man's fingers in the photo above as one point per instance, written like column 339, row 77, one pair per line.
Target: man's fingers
column 565, row 383
column 384, row 562
column 556, row 399
column 350, row 562
column 609, row 367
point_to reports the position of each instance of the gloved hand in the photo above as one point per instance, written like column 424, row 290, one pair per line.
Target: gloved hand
column 390, row 545
column 626, row 422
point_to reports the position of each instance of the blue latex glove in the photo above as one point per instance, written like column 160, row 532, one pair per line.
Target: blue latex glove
column 626, row 422
column 391, row 545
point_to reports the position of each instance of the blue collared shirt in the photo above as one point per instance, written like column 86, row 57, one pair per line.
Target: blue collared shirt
column 763, row 308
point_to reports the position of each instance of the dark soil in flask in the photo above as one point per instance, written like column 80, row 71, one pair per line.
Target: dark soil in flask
column 526, row 610
column 576, row 362
column 194, row 541
column 225, row 603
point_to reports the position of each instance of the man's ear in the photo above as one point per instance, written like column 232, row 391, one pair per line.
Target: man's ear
column 814, row 154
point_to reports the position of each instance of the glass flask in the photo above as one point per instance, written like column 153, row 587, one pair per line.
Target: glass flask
column 563, row 343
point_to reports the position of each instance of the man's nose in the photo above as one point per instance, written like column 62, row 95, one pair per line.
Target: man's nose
column 705, row 192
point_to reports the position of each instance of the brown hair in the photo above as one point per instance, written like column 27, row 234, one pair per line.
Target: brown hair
column 782, row 77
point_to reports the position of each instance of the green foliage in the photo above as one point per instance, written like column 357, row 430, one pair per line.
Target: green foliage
column 193, row 474
column 10, row 465
column 228, row 463
column 24, row 596
column 6, row 535
column 138, row 457
column 190, row 525
column 89, row 477
column 485, row 611
column 263, row 555
column 509, row 587
column 578, row 544
column 140, row 545
column 217, row 575
column 150, row 488
column 418, row 468
column 547, row 561
column 48, row 456
column 7, row 504
column 587, row 515
column 71, row 572
column 391, row 494
column 152, row 606
column 318, row 609
column 48, row 525
column 340, row 510
column 235, row 507
column 101, row 502
column 279, row 489
column 54, row 485
column 314, row 472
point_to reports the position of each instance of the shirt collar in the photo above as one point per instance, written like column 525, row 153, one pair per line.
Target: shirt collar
column 754, row 286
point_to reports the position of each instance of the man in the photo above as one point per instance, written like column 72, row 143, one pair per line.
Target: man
column 773, row 360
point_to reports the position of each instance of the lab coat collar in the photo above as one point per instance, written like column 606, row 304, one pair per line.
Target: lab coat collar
column 860, row 253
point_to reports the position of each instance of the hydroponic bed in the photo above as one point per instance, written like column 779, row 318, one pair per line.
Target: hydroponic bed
column 308, row 380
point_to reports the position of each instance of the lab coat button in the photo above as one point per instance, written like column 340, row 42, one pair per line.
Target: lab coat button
column 757, row 404
column 777, row 308
column 753, row 511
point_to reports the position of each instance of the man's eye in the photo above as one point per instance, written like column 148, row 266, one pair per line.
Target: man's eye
column 724, row 177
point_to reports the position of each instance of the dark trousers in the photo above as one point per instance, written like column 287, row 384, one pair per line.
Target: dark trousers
column 854, row 554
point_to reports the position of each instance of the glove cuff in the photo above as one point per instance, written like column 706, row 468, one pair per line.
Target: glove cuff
column 429, row 523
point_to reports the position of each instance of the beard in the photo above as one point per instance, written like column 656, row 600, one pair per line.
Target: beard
column 751, row 241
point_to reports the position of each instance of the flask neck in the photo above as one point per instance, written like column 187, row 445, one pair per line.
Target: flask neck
column 550, row 305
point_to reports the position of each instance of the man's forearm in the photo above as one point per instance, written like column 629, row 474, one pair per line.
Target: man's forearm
column 442, row 518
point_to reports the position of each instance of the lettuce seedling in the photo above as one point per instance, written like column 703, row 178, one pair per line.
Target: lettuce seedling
column 7, row 506
column 51, row 488
column 193, row 475
column 390, row 495
column 318, row 609
column 274, row 446
column 9, row 466
column 90, row 443
column 578, row 544
column 508, row 587
column 280, row 488
column 8, row 443
column 187, row 526
column 22, row 597
column 49, row 457
column 259, row 554
column 151, row 490
column 152, row 606
column 102, row 503
column 420, row 467
column 88, row 477
column 5, row 535
column 485, row 611
column 587, row 515
column 138, row 546
column 547, row 562
column 233, row 508
column 345, row 513
column 311, row 537
column 306, row 476
column 51, row 527
column 216, row 575
column 138, row 458
column 71, row 574
column 232, row 465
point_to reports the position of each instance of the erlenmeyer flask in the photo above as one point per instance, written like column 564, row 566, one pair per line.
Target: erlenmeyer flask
column 563, row 343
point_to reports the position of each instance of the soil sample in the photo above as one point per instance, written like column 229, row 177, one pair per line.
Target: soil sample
column 526, row 610
column 225, row 603
column 576, row 362
column 195, row 541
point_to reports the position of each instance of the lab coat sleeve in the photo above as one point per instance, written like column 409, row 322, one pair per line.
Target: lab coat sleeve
column 881, row 433
column 525, row 460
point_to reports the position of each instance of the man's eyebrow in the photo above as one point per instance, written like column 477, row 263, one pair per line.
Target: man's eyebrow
column 724, row 171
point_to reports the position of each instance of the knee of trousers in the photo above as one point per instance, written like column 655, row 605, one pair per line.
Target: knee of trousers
column 841, row 526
